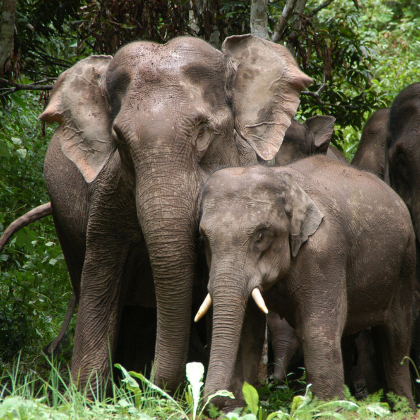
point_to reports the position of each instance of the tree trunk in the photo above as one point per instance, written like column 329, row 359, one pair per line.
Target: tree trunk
column 259, row 18
column 281, row 24
column 6, row 31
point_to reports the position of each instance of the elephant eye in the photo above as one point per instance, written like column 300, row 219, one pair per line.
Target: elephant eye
column 260, row 237
column 203, row 138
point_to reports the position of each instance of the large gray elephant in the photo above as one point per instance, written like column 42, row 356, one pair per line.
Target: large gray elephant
column 303, row 241
column 139, row 133
column 370, row 154
column 402, row 171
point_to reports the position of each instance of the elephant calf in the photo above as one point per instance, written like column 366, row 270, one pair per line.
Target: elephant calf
column 327, row 247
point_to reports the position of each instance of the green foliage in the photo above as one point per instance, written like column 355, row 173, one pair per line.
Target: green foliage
column 339, row 60
column 34, row 282
column 28, row 396
column 388, row 47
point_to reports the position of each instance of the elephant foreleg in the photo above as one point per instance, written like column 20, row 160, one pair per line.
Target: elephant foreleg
column 100, row 308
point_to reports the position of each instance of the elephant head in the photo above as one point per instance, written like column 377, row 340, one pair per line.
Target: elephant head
column 253, row 223
column 174, row 113
column 307, row 139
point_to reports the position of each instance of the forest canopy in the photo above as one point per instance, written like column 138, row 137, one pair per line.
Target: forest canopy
column 360, row 54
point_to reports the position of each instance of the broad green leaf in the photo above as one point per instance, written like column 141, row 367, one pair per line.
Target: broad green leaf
column 22, row 153
column 222, row 393
column 131, row 384
column 251, row 397
column 330, row 414
column 17, row 99
column 278, row 415
column 301, row 401
column 4, row 150
column 332, row 405
column 379, row 409
column 24, row 239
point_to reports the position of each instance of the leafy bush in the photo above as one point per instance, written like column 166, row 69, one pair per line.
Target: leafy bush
column 34, row 282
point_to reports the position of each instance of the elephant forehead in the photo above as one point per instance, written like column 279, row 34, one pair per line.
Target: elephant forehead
column 255, row 181
column 183, row 55
column 235, row 217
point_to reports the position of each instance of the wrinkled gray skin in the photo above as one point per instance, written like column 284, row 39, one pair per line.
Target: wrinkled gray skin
column 402, row 171
column 370, row 154
column 307, row 139
column 139, row 133
column 300, row 141
column 306, row 236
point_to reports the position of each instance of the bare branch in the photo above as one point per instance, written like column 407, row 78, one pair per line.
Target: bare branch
column 326, row 104
column 281, row 24
column 320, row 7
column 7, row 87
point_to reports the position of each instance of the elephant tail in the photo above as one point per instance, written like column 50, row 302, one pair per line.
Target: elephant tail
column 29, row 217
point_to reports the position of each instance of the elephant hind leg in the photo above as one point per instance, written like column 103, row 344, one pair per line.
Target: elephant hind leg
column 392, row 343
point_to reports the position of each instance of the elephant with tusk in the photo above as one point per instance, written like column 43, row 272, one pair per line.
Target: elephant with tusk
column 329, row 248
column 138, row 135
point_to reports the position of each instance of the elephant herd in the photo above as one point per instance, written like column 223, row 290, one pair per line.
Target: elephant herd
column 177, row 176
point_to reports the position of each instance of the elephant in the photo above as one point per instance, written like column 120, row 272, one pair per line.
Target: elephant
column 138, row 135
column 307, row 139
column 287, row 353
column 402, row 169
column 302, row 241
column 370, row 154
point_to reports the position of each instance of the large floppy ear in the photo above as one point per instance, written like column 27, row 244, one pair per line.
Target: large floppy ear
column 266, row 91
column 305, row 216
column 78, row 104
column 322, row 128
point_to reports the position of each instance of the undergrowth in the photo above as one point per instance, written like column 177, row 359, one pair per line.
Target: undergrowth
column 28, row 396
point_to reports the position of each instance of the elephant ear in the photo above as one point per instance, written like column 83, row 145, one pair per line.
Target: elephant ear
column 322, row 128
column 79, row 106
column 305, row 216
column 266, row 91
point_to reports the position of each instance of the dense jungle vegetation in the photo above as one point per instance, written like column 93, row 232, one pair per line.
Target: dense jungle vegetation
column 359, row 53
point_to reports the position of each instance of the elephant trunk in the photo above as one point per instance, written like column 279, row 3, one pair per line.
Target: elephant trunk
column 169, row 219
column 229, row 304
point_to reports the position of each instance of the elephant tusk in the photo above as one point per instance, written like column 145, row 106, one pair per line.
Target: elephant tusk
column 259, row 300
column 203, row 308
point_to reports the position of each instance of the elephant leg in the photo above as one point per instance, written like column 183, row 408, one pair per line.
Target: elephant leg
column 284, row 343
column 100, row 307
column 320, row 338
column 392, row 343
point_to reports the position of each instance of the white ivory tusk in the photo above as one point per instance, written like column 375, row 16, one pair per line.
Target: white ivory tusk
column 203, row 308
column 259, row 300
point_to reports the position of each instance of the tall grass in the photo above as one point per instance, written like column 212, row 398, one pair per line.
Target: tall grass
column 28, row 396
